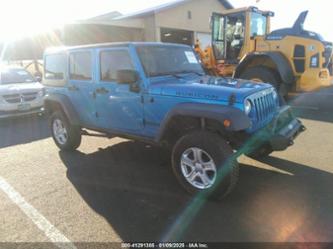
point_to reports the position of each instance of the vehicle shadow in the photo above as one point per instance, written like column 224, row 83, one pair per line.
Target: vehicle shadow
column 132, row 186
column 317, row 105
column 23, row 130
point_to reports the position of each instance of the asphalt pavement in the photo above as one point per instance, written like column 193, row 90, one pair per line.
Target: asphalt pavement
column 113, row 190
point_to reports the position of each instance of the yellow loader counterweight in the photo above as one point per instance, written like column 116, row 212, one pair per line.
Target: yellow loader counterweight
column 292, row 59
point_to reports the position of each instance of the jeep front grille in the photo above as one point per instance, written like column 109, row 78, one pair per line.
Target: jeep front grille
column 264, row 107
column 19, row 98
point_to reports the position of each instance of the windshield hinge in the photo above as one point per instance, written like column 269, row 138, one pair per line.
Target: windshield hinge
column 232, row 99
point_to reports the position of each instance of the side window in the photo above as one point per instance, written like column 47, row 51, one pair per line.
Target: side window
column 218, row 36
column 113, row 60
column 80, row 66
column 258, row 24
column 55, row 67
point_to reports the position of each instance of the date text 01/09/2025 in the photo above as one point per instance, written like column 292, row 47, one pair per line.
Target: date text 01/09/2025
column 164, row 245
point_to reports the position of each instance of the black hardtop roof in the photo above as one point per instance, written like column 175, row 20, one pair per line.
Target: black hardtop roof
column 110, row 44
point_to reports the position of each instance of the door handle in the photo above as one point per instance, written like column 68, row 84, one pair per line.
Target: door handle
column 101, row 90
column 73, row 88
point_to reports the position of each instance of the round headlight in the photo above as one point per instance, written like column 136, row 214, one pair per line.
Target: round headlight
column 275, row 95
column 41, row 93
column 247, row 106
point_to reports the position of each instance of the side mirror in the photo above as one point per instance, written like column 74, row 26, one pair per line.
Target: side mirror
column 127, row 76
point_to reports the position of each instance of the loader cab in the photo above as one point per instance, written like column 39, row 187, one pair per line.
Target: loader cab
column 234, row 32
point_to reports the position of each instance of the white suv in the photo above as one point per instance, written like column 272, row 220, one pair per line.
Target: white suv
column 20, row 93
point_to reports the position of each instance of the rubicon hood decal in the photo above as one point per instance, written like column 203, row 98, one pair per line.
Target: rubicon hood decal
column 196, row 95
column 206, row 87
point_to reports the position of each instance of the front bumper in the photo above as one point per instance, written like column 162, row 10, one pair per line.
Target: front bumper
column 16, row 113
column 8, row 110
column 283, row 130
column 285, row 138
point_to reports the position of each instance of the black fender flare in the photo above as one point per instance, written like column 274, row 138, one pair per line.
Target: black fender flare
column 66, row 106
column 239, row 120
column 281, row 62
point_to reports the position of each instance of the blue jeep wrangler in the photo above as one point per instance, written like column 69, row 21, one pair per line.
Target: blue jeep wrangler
column 158, row 93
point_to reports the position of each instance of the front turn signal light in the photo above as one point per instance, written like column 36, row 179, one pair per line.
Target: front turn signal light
column 227, row 123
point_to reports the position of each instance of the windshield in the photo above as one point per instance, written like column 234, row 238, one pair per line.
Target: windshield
column 258, row 24
column 11, row 76
column 164, row 60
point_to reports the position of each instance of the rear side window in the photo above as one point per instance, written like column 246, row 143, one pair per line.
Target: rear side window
column 80, row 66
column 113, row 60
column 55, row 67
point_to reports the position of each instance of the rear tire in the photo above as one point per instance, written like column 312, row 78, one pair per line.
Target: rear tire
column 203, row 163
column 66, row 136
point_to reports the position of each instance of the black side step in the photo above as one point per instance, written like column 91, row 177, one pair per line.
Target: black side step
column 86, row 133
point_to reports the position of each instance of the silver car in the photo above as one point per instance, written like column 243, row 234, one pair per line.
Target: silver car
column 20, row 93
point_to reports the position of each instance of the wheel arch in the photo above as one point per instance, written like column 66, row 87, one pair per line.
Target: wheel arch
column 61, row 102
column 198, row 115
column 273, row 60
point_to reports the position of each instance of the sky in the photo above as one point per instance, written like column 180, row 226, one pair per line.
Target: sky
column 20, row 18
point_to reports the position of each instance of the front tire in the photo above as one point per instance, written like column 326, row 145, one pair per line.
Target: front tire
column 66, row 136
column 261, row 74
column 203, row 163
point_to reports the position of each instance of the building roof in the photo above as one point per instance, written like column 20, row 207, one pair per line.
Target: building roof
column 115, row 15
column 165, row 6
column 101, row 18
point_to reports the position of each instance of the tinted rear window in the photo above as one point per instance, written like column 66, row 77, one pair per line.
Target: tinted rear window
column 80, row 67
column 112, row 61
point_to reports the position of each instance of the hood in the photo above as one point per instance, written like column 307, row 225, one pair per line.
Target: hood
column 20, row 88
column 206, row 87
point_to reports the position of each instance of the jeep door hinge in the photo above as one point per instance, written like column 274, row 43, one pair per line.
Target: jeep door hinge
column 142, row 99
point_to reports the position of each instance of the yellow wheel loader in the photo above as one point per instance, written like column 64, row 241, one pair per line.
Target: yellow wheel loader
column 291, row 59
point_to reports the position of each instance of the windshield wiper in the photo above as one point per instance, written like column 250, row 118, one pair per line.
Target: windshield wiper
column 175, row 74
column 199, row 74
column 189, row 71
column 166, row 74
